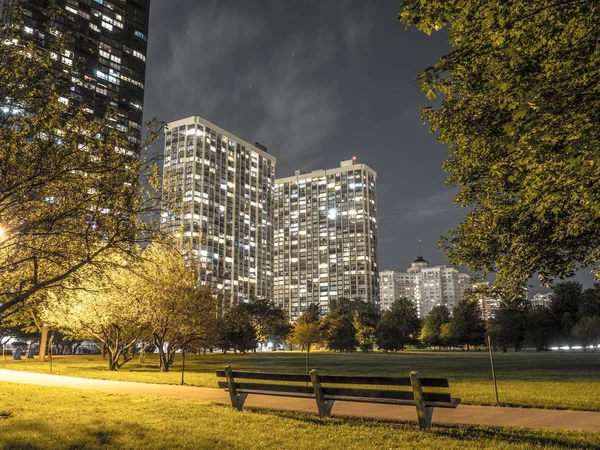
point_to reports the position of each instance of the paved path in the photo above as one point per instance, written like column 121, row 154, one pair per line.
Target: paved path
column 464, row 414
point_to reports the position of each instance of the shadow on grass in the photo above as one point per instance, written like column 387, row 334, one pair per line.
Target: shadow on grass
column 24, row 437
column 507, row 435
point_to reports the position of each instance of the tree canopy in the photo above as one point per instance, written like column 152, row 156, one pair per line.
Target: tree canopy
column 69, row 184
column 520, row 108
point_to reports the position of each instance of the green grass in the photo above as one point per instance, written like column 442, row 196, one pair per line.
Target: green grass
column 39, row 417
column 560, row 380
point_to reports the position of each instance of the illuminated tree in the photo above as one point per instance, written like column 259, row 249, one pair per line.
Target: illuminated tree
column 519, row 113
column 107, row 309
column 69, row 185
column 178, row 311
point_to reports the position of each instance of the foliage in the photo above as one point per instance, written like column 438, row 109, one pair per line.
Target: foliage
column 587, row 331
column 590, row 302
column 270, row 322
column 519, row 114
column 107, row 309
column 507, row 329
column 565, row 300
column 312, row 313
column 467, row 326
column 431, row 333
column 69, row 185
column 365, row 320
column 340, row 333
column 236, row 329
column 177, row 310
column 399, row 326
column 540, row 328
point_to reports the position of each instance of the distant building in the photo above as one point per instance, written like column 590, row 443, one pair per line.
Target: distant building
column 426, row 286
column 325, row 237
column 540, row 299
column 488, row 303
column 222, row 190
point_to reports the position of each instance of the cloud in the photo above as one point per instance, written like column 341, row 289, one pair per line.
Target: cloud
column 427, row 208
column 222, row 63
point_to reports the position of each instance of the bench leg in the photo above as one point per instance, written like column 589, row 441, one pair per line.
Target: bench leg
column 237, row 400
column 324, row 406
column 424, row 412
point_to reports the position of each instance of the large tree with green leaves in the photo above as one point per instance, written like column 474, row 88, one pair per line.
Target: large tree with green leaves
column 399, row 326
column 432, row 327
column 178, row 311
column 69, row 185
column 519, row 112
column 467, row 326
column 108, row 309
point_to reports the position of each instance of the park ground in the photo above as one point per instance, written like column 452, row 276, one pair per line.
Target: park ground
column 558, row 380
column 44, row 417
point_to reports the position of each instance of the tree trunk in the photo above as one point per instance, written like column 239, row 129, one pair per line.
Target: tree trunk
column 43, row 342
column 103, row 351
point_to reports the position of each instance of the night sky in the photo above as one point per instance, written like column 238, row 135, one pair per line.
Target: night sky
column 316, row 82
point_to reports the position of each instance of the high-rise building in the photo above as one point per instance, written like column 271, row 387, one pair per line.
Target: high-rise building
column 104, row 61
column 541, row 299
column 325, row 238
column 427, row 286
column 221, row 188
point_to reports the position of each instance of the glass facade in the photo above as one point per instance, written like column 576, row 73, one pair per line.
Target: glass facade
column 221, row 190
column 104, row 61
column 325, row 239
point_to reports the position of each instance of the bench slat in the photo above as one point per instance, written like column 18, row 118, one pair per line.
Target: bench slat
column 274, row 388
column 268, row 376
column 454, row 402
column 386, row 401
column 367, row 393
column 346, row 379
column 435, row 382
column 280, row 394
column 430, row 397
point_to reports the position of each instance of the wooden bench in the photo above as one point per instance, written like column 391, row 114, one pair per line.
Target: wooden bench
column 325, row 396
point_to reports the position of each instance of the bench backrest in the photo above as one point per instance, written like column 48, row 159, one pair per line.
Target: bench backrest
column 339, row 385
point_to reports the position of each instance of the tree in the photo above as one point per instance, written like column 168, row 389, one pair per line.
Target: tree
column 340, row 333
column 467, row 325
column 270, row 322
column 365, row 320
column 590, row 302
column 432, row 327
column 108, row 310
column 519, row 114
column 399, row 326
column 541, row 328
column 69, row 185
column 236, row 329
column 178, row 311
column 587, row 331
column 508, row 327
column 565, row 300
column 312, row 313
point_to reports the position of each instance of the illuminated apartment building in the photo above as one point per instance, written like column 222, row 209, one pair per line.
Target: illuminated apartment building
column 104, row 62
column 325, row 237
column 222, row 190
column 427, row 286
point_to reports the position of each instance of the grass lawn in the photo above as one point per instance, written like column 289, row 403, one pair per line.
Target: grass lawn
column 39, row 417
column 544, row 380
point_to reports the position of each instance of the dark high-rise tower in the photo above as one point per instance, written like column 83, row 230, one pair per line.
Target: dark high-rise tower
column 105, row 58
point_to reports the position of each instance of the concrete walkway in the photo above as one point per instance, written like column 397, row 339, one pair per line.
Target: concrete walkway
column 464, row 414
